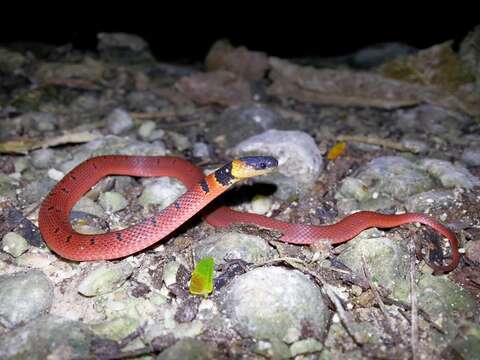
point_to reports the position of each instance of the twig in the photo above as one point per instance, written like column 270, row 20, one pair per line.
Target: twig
column 389, row 326
column 345, row 317
column 377, row 141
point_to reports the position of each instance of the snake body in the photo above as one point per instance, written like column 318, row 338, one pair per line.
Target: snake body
column 54, row 215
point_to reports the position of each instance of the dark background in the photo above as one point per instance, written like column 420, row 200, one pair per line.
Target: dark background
column 183, row 34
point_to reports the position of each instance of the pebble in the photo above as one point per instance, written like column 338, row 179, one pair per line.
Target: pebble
column 180, row 141
column 306, row 346
column 54, row 174
column 14, row 244
column 187, row 349
column 119, row 121
column 42, row 158
column 261, row 204
column 146, row 129
column 471, row 156
column 170, row 273
column 265, row 302
column 105, row 279
column 472, row 251
column 112, row 201
column 24, row 296
column 200, row 150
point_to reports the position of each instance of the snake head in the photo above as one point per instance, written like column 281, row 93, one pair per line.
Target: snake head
column 250, row 166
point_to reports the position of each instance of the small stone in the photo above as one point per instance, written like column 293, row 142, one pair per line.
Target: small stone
column 306, row 346
column 42, row 158
column 24, row 296
column 36, row 260
column 14, row 244
column 200, row 150
column 261, row 204
column 115, row 329
column 180, row 141
column 119, row 121
column 146, row 129
column 105, row 279
column 170, row 273
column 471, row 156
column 112, row 201
column 54, row 174
column 161, row 192
column 292, row 335
column 187, row 349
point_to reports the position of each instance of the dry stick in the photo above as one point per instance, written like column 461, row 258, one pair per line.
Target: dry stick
column 345, row 317
column 389, row 326
column 413, row 301
column 376, row 141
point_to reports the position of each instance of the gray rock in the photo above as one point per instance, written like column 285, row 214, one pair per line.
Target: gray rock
column 264, row 303
column 105, row 279
column 450, row 175
column 180, row 141
column 14, row 244
column 7, row 186
column 24, row 296
column 42, row 158
column 306, row 346
column 200, row 150
column 145, row 130
column 161, row 192
column 119, row 121
column 300, row 160
column 471, row 156
column 233, row 245
column 48, row 337
column 425, row 201
column 36, row 190
column 386, row 260
column 238, row 123
column 190, row 349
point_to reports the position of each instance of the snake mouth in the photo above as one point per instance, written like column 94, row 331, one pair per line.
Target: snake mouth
column 250, row 166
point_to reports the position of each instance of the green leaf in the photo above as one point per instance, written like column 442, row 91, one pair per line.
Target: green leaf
column 202, row 277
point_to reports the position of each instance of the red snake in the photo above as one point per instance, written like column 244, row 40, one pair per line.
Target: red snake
column 55, row 227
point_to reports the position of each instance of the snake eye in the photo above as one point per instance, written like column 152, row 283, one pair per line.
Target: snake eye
column 263, row 166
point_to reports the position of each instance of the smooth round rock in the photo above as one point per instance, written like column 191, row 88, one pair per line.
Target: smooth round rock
column 24, row 296
column 105, row 279
column 191, row 349
column 42, row 158
column 266, row 302
column 14, row 244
